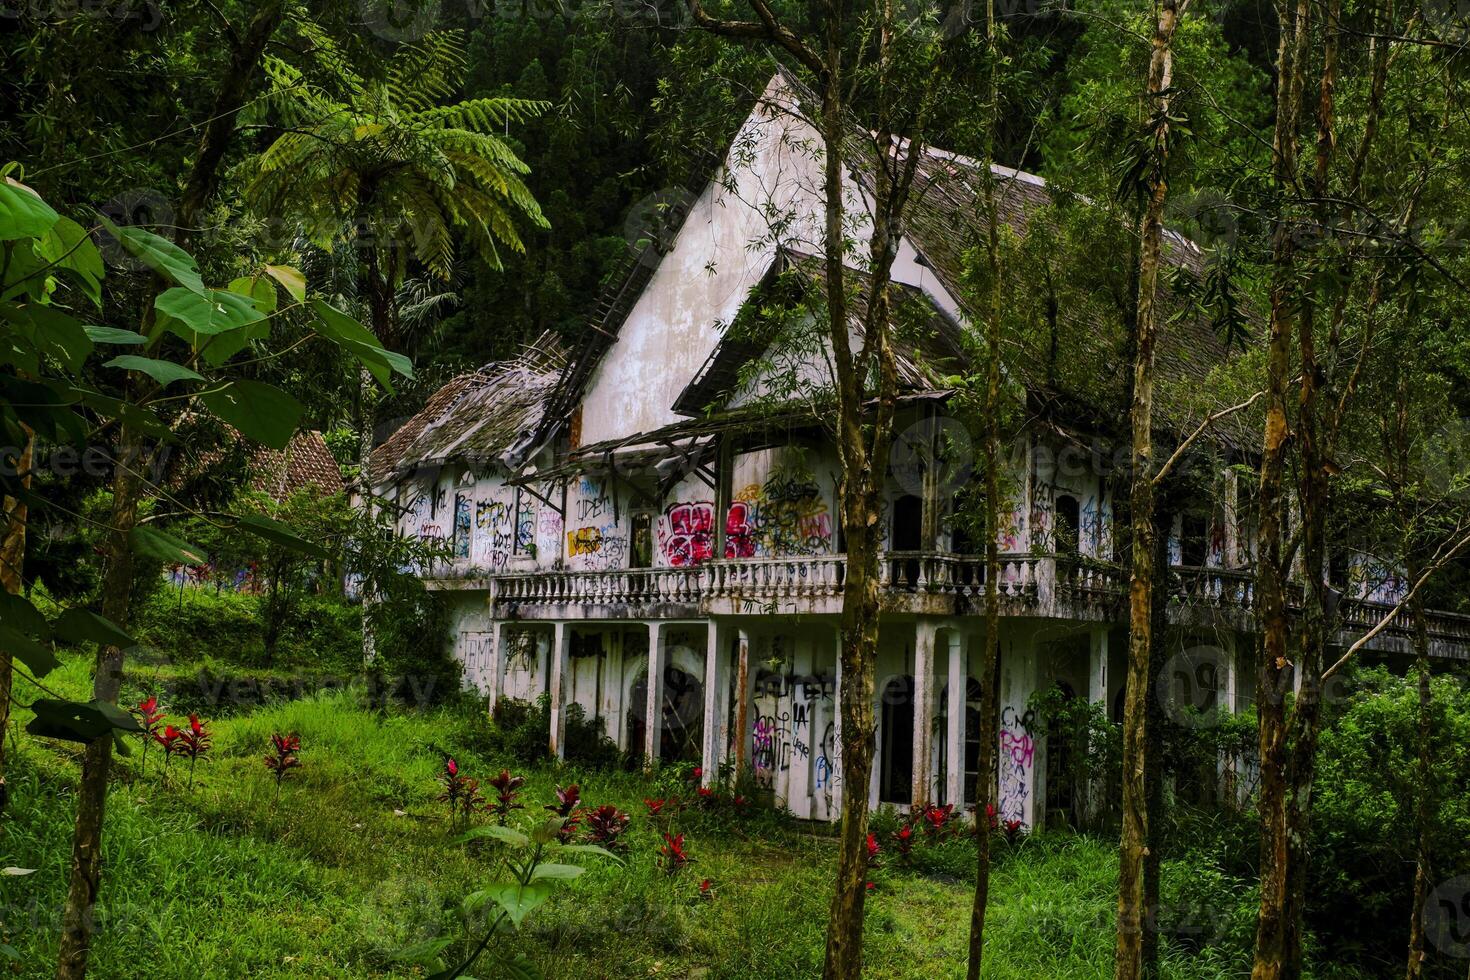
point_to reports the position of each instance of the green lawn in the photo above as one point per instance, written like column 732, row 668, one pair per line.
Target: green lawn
column 357, row 861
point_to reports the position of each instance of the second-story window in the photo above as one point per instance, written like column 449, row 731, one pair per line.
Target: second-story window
column 640, row 555
column 1194, row 540
column 1069, row 520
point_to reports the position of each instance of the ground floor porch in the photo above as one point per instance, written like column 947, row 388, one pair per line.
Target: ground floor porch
column 760, row 694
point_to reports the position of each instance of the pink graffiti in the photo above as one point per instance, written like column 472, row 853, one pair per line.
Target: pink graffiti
column 1019, row 747
column 686, row 534
column 740, row 530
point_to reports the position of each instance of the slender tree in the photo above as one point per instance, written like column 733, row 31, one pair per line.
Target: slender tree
column 1134, row 914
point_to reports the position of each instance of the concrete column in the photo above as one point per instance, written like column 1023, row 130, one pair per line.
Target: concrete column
column 923, row 791
column 1097, row 693
column 560, row 659
column 715, row 720
column 1097, row 667
column 954, row 773
column 500, row 635
column 742, row 702
column 653, row 724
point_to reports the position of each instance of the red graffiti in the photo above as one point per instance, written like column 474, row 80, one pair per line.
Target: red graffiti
column 686, row 534
column 740, row 530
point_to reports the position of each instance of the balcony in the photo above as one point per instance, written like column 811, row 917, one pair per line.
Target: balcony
column 924, row 583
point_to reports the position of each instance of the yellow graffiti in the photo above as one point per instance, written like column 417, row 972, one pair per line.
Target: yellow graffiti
column 584, row 541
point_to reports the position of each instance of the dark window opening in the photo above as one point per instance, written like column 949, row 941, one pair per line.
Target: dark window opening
column 896, row 782
column 1069, row 522
column 640, row 553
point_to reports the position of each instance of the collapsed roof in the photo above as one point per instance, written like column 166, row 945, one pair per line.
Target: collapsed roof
column 483, row 417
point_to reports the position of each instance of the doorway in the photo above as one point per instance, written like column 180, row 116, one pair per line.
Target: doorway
column 896, row 782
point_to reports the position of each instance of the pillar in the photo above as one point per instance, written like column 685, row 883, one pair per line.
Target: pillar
column 923, row 791
column 560, row 660
column 715, row 714
column 954, row 773
column 1097, row 693
column 653, row 721
column 500, row 634
column 742, row 702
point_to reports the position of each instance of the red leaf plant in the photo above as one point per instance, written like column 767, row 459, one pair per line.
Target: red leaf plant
column 149, row 719
column 1012, row 831
column 460, row 792
column 873, row 848
column 194, row 743
column 283, row 759
column 506, row 789
column 673, row 854
column 903, row 839
column 168, row 740
column 567, row 801
column 706, row 797
column 605, row 826
column 655, row 807
column 936, row 819
column 706, row 890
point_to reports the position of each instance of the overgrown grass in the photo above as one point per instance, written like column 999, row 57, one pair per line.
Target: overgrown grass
column 357, row 860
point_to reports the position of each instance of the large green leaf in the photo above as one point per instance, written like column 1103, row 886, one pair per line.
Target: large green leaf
column 164, row 372
column 116, row 335
column 291, row 280
column 158, row 254
column 359, row 341
column 17, row 612
column 75, row 721
column 519, row 900
column 262, row 412
column 78, row 625
column 164, row 546
column 509, row 835
column 557, row 871
column 37, row 657
column 260, row 289
column 277, row 533
column 214, row 311
column 67, row 246
column 59, row 334
column 22, row 212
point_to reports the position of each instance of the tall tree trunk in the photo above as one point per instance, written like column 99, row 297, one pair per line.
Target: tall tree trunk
column 78, row 919
column 1134, row 915
column 1423, row 790
column 1275, row 667
column 990, row 659
column 12, row 580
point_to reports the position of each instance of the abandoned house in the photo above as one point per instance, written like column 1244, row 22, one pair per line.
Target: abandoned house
column 647, row 527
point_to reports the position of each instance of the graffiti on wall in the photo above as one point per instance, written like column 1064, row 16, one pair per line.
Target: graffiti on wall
column 686, row 533
column 786, row 515
column 492, row 533
column 594, row 541
column 1017, row 762
column 461, row 526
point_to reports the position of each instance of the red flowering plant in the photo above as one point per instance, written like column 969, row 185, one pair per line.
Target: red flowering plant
column 873, row 848
column 706, row 890
column 194, row 743
column 706, row 797
column 567, row 801
column 168, row 740
column 461, row 793
column 283, row 757
column 1013, row 831
column 150, row 719
column 936, row 818
column 673, row 854
column 506, row 788
column 903, row 841
column 605, row 826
